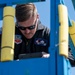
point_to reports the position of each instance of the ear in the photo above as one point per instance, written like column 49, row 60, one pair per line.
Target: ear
column 37, row 16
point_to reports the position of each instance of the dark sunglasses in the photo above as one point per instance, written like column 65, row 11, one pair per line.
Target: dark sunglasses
column 24, row 28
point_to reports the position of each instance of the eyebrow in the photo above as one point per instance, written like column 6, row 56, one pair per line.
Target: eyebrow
column 23, row 26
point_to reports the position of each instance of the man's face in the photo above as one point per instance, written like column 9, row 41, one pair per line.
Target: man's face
column 28, row 28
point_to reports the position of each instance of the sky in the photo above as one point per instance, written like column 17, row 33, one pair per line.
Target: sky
column 44, row 12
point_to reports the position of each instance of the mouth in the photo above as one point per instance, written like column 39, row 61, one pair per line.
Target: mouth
column 28, row 35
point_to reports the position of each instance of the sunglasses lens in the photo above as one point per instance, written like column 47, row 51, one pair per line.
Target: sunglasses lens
column 22, row 28
column 31, row 27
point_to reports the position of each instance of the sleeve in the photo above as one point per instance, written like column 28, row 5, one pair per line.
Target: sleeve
column 48, row 36
column 71, row 58
column 46, row 32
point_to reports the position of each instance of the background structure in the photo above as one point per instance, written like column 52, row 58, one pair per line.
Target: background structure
column 44, row 12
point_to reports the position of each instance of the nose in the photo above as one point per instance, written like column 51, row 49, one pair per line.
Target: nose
column 27, row 31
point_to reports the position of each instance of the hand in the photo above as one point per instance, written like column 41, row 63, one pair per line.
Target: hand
column 45, row 55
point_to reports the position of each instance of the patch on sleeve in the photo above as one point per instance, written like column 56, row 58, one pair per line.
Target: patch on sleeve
column 18, row 39
column 40, row 41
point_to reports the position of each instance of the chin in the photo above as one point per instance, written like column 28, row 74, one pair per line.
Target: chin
column 28, row 37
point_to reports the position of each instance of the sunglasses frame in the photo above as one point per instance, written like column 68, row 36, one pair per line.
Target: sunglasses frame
column 24, row 28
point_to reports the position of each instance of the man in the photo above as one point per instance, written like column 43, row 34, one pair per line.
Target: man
column 30, row 36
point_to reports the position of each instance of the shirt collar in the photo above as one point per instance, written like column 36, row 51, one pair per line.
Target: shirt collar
column 39, row 26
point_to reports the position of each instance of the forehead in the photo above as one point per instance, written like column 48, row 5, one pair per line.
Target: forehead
column 27, row 23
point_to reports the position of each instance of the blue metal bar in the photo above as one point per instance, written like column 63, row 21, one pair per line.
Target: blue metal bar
column 38, row 66
column 18, row 1
column 61, row 63
column 52, row 38
column 70, row 40
column 4, row 3
column 73, row 1
column 63, row 66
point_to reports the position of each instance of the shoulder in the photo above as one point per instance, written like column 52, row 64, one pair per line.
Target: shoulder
column 43, row 28
column 47, row 30
column 17, row 31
